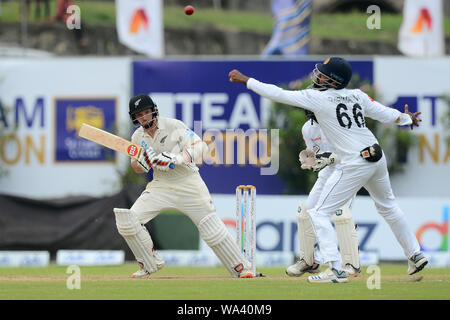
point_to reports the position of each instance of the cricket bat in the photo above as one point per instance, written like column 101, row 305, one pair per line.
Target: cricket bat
column 110, row 140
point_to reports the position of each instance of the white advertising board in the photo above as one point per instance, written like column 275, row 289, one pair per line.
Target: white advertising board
column 90, row 257
column 42, row 104
column 24, row 258
column 277, row 226
column 422, row 84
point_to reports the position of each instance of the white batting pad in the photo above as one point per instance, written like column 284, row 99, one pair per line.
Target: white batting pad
column 214, row 233
column 347, row 236
column 137, row 238
column 306, row 234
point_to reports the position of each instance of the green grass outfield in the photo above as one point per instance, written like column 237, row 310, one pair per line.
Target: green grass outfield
column 183, row 283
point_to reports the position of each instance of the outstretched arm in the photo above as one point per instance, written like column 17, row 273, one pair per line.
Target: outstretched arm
column 384, row 114
column 301, row 99
column 408, row 118
column 413, row 116
column 237, row 76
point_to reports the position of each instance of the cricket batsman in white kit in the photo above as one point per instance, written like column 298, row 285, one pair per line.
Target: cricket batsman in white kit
column 172, row 150
column 341, row 113
column 320, row 157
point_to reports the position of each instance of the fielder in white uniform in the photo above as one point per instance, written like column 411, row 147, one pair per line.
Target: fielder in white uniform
column 171, row 149
column 341, row 113
column 310, row 256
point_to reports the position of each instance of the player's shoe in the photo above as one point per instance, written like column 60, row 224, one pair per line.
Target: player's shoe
column 141, row 274
column 300, row 267
column 351, row 270
column 144, row 274
column 416, row 263
column 330, row 275
column 246, row 274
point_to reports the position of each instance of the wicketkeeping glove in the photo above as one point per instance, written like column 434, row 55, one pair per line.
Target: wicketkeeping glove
column 307, row 159
column 324, row 159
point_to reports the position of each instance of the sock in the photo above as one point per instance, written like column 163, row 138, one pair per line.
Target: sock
column 336, row 265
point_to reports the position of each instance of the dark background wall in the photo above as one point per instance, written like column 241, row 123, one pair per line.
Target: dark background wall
column 84, row 223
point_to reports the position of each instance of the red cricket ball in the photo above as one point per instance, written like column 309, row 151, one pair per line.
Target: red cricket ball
column 189, row 10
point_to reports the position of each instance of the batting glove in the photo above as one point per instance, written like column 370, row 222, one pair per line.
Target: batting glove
column 163, row 161
column 185, row 157
column 145, row 160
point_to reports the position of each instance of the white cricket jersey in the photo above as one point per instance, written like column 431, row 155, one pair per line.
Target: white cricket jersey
column 313, row 136
column 172, row 136
column 340, row 113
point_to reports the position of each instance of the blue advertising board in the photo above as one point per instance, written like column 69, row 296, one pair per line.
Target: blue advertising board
column 70, row 114
column 199, row 94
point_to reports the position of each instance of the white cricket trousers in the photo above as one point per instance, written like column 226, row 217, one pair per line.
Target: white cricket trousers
column 318, row 186
column 314, row 196
column 188, row 195
column 341, row 186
